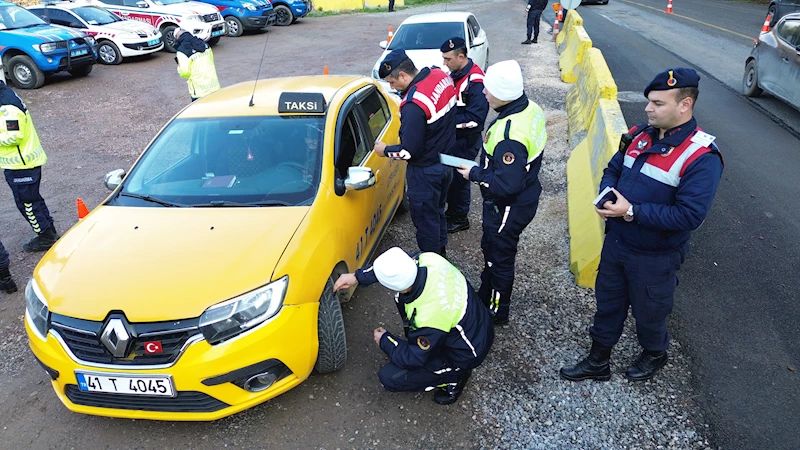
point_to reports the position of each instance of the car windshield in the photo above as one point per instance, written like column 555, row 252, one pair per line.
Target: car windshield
column 13, row 17
column 168, row 2
column 425, row 36
column 229, row 161
column 96, row 16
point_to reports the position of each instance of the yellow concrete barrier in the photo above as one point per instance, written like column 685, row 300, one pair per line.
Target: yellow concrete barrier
column 594, row 82
column 572, row 20
column 575, row 46
column 584, row 171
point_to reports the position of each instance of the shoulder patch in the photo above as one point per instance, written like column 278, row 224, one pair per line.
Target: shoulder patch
column 12, row 125
column 423, row 343
column 508, row 158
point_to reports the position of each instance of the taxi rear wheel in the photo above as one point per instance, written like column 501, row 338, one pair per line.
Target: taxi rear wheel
column 330, row 328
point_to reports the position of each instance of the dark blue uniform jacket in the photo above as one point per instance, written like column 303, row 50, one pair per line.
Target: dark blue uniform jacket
column 663, row 215
column 477, row 107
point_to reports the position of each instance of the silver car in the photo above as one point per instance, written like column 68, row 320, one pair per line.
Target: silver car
column 774, row 62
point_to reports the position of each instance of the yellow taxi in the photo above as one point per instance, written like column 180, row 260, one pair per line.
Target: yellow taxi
column 203, row 285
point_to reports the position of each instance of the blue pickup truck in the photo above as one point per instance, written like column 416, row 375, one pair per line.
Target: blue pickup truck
column 243, row 15
column 288, row 11
column 30, row 48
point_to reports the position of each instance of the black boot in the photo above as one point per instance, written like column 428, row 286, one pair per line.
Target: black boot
column 7, row 284
column 457, row 223
column 593, row 367
column 527, row 41
column 646, row 365
column 443, row 252
column 449, row 394
column 42, row 242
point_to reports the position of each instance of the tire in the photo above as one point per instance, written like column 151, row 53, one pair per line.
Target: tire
column 235, row 27
column 773, row 12
column 108, row 53
column 169, row 40
column 284, row 16
column 750, row 81
column 404, row 206
column 214, row 41
column 81, row 71
column 24, row 72
column 330, row 328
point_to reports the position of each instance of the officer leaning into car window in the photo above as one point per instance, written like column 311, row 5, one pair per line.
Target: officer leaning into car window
column 508, row 175
column 427, row 129
column 664, row 181
column 195, row 62
column 471, row 111
column 22, row 157
column 448, row 331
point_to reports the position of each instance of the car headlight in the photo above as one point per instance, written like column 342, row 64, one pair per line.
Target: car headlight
column 233, row 317
column 89, row 40
column 195, row 18
column 46, row 47
column 250, row 6
column 36, row 309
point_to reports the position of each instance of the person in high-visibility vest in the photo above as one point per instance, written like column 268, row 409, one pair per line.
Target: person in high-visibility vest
column 195, row 62
column 508, row 175
column 22, row 158
column 448, row 331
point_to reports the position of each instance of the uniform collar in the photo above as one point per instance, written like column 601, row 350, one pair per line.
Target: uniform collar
column 677, row 135
column 464, row 70
column 420, row 76
column 416, row 288
column 513, row 107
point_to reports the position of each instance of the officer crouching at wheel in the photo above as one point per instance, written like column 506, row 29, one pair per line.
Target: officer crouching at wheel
column 427, row 128
column 448, row 331
column 508, row 175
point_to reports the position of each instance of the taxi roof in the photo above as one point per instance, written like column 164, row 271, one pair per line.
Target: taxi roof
column 235, row 100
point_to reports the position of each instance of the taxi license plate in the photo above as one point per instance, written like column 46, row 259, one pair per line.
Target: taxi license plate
column 153, row 42
column 113, row 383
column 80, row 52
column 217, row 33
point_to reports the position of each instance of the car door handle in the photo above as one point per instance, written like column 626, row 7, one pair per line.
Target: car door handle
column 785, row 59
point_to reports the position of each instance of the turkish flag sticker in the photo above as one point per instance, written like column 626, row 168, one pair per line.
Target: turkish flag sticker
column 152, row 347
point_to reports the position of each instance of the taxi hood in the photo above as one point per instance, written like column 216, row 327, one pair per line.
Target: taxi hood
column 157, row 264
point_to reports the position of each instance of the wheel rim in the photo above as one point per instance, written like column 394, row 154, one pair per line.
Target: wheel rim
column 23, row 74
column 107, row 54
column 750, row 76
column 169, row 39
column 283, row 16
column 233, row 27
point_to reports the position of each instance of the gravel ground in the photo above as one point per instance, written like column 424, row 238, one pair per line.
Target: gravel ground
column 518, row 398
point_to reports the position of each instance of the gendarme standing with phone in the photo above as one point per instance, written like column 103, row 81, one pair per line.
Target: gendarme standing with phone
column 665, row 181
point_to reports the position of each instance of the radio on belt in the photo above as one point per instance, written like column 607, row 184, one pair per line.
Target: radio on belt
column 301, row 102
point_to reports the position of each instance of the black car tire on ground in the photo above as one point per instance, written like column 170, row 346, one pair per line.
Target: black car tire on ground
column 214, row 41
column 284, row 16
column 235, row 27
column 330, row 328
column 81, row 71
column 404, row 206
column 108, row 53
column 750, row 81
column 169, row 38
column 25, row 73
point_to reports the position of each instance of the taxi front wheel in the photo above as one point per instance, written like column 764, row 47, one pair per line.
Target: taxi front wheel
column 330, row 328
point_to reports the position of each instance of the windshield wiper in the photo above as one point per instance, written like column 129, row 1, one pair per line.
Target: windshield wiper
column 148, row 198
column 223, row 203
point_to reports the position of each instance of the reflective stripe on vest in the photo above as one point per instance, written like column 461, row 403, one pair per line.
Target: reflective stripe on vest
column 435, row 94
column 203, row 79
column 475, row 75
column 526, row 127
column 665, row 168
column 443, row 302
column 28, row 153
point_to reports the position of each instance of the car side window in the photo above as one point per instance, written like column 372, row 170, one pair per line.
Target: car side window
column 789, row 30
column 130, row 2
column 474, row 26
column 352, row 148
column 377, row 112
column 112, row 2
column 63, row 18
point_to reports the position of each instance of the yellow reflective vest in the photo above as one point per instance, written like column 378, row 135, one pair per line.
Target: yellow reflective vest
column 19, row 144
column 200, row 71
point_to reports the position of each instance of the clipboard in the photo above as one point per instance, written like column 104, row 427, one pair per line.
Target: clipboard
column 454, row 161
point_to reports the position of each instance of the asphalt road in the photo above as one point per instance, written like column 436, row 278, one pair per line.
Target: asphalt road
column 737, row 312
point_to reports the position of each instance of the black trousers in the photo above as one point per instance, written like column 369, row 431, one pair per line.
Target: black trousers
column 427, row 194
column 533, row 23
column 397, row 379
column 24, row 185
column 458, row 195
column 391, row 5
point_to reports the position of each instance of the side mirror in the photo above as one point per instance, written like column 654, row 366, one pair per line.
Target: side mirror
column 359, row 178
column 142, row 4
column 384, row 44
column 114, row 178
column 478, row 41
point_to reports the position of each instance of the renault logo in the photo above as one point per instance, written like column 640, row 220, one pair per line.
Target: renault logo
column 116, row 338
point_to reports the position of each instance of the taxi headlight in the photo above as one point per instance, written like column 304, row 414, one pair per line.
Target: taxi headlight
column 36, row 309
column 250, row 6
column 46, row 47
column 233, row 317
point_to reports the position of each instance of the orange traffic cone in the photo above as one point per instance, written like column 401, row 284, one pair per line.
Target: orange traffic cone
column 391, row 35
column 555, row 26
column 325, row 70
column 82, row 209
column 560, row 17
column 669, row 7
column 765, row 27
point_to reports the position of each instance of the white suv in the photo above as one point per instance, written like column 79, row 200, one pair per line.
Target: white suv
column 201, row 19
